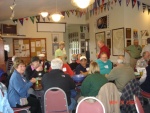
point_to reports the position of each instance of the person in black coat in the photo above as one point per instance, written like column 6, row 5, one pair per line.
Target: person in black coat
column 145, row 86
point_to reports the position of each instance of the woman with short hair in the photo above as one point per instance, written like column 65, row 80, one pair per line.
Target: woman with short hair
column 93, row 82
column 18, row 89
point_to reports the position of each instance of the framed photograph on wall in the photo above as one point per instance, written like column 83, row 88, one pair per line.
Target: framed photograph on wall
column 82, row 43
column 99, row 36
column 128, row 32
column 82, row 35
column 55, row 38
column 108, row 34
column 118, row 43
column 102, row 22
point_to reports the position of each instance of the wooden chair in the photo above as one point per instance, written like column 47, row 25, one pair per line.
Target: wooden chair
column 55, row 101
column 90, row 105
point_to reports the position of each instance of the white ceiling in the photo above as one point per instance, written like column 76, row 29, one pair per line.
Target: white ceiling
column 25, row 8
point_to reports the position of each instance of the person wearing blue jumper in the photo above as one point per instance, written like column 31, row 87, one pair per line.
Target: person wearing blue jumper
column 18, row 89
column 104, row 64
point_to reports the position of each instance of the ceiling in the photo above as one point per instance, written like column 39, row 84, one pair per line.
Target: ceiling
column 25, row 8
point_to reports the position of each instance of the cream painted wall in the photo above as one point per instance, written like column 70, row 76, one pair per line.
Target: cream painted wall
column 29, row 29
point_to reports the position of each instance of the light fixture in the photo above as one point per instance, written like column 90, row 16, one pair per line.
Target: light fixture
column 82, row 3
column 12, row 6
column 56, row 16
column 44, row 14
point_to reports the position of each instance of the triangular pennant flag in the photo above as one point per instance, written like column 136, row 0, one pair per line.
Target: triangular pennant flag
column 72, row 11
column 98, row 3
column 81, row 14
column 94, row 5
column 63, row 13
column 95, row 10
column 104, row 6
column 133, row 3
column 112, row 2
column 103, row 2
column 38, row 18
column 15, row 20
column 108, row 5
column 68, row 13
column 144, row 7
column 148, row 9
column 32, row 19
column 101, row 8
column 26, row 18
column 138, row 3
column 115, row 1
column 21, row 21
column 127, row 2
column 120, row 2
column 48, row 17
column 43, row 19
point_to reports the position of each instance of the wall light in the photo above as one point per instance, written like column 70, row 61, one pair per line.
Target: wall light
column 56, row 17
column 44, row 14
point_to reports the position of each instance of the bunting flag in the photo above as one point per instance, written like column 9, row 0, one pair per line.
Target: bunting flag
column 43, row 19
column 26, row 18
column 108, row 5
column 15, row 20
column 112, row 2
column 21, row 21
column 98, row 3
column 148, row 9
column 48, row 17
column 127, row 2
column 103, row 2
column 120, row 2
column 72, row 11
column 68, row 13
column 138, row 3
column 63, row 13
column 104, row 6
column 32, row 19
column 115, row 1
column 94, row 5
column 133, row 3
column 144, row 7
column 101, row 8
column 38, row 18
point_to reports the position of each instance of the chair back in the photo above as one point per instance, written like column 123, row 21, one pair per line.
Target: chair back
column 55, row 101
column 109, row 96
column 88, row 106
column 138, row 105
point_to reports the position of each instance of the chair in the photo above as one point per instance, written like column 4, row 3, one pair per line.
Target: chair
column 3, row 89
column 146, row 95
column 86, row 105
column 138, row 105
column 55, row 101
column 109, row 96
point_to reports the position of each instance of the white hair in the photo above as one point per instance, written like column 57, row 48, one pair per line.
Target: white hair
column 56, row 63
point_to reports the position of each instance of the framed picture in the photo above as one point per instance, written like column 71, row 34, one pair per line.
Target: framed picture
column 55, row 38
column 118, row 43
column 82, row 43
column 55, row 46
column 102, row 22
column 82, row 50
column 128, row 32
column 108, row 34
column 99, row 36
column 82, row 35
column 135, row 33
column 128, row 43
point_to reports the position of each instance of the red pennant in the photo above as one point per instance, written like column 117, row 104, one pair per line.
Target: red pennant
column 26, row 18
column 133, row 3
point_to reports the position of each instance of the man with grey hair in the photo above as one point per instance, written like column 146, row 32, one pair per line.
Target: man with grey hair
column 146, row 47
column 57, row 78
column 121, row 74
column 134, row 51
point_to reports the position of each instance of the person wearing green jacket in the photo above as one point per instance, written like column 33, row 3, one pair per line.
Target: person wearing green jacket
column 93, row 82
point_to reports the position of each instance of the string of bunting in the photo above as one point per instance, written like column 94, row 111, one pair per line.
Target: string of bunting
column 77, row 13
column 99, row 6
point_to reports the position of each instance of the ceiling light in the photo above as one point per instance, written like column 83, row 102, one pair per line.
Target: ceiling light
column 44, row 14
column 56, row 17
column 82, row 3
column 12, row 6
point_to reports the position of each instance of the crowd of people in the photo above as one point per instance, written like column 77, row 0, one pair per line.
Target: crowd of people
column 58, row 73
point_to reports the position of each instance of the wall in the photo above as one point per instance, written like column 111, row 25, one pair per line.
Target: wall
column 29, row 29
column 120, row 16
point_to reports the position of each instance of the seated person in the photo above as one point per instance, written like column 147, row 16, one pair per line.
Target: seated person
column 121, row 74
column 33, row 69
column 104, row 64
column 45, row 63
column 74, row 64
column 57, row 78
column 82, row 68
column 78, row 58
column 143, row 62
column 93, row 82
column 145, row 86
column 18, row 88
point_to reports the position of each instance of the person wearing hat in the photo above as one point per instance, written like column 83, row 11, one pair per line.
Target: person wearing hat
column 146, row 47
column 45, row 64
column 82, row 68
column 74, row 64
column 61, row 52
column 33, row 69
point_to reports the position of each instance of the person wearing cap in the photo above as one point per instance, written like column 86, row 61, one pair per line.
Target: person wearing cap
column 146, row 47
column 45, row 64
column 82, row 68
column 33, row 69
column 104, row 64
column 61, row 52
column 103, row 49
column 74, row 64
column 134, row 51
